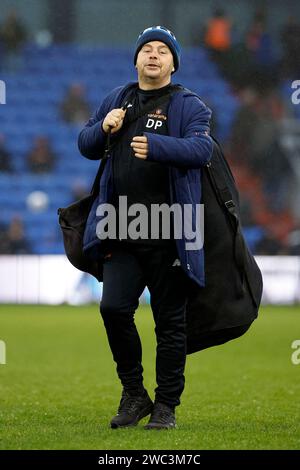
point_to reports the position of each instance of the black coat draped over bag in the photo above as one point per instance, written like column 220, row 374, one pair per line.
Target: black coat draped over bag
column 225, row 308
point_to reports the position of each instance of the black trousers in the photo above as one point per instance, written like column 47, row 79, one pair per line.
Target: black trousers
column 127, row 269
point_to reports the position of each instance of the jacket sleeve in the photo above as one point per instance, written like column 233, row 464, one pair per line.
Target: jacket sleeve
column 194, row 148
column 91, row 140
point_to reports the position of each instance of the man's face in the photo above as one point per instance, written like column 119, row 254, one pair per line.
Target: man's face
column 155, row 61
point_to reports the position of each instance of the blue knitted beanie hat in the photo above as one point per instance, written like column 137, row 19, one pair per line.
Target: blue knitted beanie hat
column 159, row 33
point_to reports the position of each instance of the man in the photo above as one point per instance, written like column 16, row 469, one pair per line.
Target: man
column 155, row 159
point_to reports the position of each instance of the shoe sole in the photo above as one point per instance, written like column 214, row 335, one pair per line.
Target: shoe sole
column 158, row 427
column 145, row 412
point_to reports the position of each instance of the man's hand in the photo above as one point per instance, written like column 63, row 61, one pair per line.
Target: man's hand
column 114, row 120
column 139, row 145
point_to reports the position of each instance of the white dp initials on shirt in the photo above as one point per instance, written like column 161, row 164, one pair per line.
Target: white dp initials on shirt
column 153, row 123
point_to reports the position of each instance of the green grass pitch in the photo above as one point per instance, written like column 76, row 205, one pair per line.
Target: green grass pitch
column 59, row 389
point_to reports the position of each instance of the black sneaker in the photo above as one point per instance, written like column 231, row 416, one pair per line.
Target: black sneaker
column 162, row 417
column 132, row 409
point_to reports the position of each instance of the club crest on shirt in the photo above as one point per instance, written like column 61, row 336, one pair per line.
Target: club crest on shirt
column 158, row 115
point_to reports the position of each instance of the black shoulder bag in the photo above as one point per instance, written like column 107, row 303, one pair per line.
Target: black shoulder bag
column 227, row 305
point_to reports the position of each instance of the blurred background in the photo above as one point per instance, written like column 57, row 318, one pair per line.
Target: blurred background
column 58, row 60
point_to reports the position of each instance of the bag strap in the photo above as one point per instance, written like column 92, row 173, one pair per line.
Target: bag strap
column 144, row 109
column 224, row 195
column 96, row 182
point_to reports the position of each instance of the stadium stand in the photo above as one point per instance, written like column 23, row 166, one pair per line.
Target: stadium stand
column 33, row 109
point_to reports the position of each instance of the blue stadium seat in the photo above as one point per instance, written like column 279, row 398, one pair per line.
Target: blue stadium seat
column 253, row 235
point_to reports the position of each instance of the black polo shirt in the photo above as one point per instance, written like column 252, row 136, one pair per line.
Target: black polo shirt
column 140, row 180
